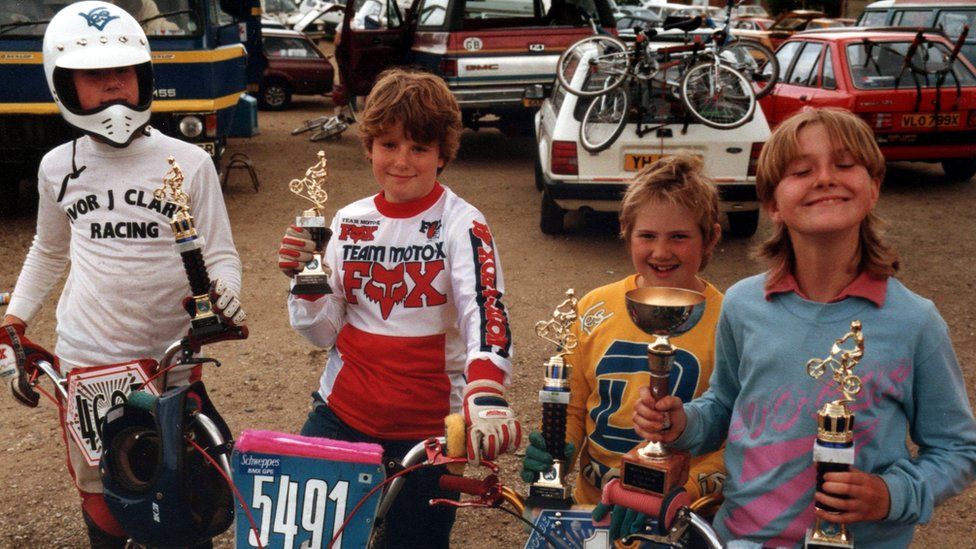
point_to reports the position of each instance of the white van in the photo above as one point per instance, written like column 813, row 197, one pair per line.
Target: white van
column 571, row 178
column 952, row 16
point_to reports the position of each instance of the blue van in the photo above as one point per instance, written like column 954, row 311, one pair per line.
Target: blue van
column 206, row 54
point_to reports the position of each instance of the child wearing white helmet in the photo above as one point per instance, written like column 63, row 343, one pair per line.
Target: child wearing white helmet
column 122, row 300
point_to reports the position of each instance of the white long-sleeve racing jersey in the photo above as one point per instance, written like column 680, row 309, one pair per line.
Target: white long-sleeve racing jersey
column 416, row 312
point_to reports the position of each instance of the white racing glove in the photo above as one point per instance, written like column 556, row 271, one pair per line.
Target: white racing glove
column 492, row 427
column 296, row 251
column 226, row 303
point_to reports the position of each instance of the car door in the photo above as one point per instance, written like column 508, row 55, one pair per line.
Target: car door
column 797, row 87
column 369, row 44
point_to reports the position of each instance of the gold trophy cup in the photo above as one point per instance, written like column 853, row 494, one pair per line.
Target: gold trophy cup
column 662, row 313
column 314, row 276
column 833, row 449
column 550, row 490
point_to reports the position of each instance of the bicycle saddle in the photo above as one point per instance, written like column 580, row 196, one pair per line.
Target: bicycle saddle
column 683, row 24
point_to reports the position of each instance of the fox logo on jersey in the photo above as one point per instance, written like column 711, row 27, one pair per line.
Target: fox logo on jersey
column 357, row 233
column 386, row 287
column 431, row 229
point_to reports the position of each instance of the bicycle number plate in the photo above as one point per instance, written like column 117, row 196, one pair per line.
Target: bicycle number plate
column 947, row 120
column 301, row 501
column 571, row 528
column 91, row 392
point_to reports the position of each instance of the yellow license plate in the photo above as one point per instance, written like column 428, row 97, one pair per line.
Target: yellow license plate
column 941, row 120
column 634, row 162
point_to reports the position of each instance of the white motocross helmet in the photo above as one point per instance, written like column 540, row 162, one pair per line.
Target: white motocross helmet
column 98, row 35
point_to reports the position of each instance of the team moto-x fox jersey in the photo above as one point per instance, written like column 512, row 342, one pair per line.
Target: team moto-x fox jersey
column 416, row 312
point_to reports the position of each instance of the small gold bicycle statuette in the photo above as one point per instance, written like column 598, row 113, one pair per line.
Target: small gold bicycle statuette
column 556, row 330
column 842, row 362
column 173, row 183
column 311, row 187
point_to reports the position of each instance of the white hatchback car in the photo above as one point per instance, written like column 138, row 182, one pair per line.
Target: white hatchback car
column 571, row 178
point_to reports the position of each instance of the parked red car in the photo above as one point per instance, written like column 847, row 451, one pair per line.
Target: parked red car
column 296, row 66
column 923, row 110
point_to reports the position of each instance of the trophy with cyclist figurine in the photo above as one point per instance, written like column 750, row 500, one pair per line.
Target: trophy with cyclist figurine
column 203, row 321
column 833, row 449
column 550, row 490
column 663, row 313
column 314, row 276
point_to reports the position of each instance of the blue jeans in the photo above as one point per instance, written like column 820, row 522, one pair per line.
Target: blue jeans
column 411, row 521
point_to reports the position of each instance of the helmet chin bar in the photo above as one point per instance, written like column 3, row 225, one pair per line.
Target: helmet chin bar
column 116, row 123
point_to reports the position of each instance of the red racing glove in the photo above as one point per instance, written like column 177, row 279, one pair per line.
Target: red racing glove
column 492, row 427
column 18, row 360
column 296, row 251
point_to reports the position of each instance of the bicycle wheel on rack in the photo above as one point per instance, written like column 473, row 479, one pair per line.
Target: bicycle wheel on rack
column 718, row 96
column 604, row 120
column 607, row 59
column 754, row 60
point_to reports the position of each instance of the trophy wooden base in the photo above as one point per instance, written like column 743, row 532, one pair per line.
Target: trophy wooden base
column 550, row 490
column 817, row 540
column 657, row 475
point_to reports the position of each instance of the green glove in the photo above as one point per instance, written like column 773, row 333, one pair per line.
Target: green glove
column 623, row 521
column 537, row 459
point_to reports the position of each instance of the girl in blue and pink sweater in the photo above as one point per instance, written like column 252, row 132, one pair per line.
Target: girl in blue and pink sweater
column 819, row 179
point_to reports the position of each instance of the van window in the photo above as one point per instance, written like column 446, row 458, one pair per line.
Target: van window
column 913, row 18
column 876, row 65
column 873, row 19
column 431, row 13
column 493, row 9
column 952, row 22
column 804, row 71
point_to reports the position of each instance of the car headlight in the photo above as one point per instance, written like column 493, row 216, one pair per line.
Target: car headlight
column 191, row 126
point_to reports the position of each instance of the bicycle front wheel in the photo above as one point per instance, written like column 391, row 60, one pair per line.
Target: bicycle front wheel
column 607, row 62
column 604, row 120
column 718, row 96
column 754, row 60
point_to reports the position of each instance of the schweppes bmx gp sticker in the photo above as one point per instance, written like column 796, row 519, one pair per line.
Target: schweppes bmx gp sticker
column 91, row 392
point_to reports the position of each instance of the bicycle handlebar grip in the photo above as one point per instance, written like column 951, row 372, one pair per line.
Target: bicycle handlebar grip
column 664, row 509
column 454, row 483
column 554, row 428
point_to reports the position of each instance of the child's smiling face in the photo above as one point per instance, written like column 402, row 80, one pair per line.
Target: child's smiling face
column 824, row 191
column 667, row 247
column 404, row 168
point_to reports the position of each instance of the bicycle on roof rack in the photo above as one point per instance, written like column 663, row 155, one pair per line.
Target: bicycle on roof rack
column 717, row 79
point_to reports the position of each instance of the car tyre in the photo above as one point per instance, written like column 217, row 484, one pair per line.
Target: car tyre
column 539, row 177
column 743, row 224
column 551, row 217
column 275, row 95
column 959, row 169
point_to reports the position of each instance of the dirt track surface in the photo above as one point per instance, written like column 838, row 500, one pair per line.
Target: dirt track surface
column 265, row 381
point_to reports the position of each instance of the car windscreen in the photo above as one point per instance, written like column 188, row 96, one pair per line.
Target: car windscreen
column 19, row 18
column 876, row 65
